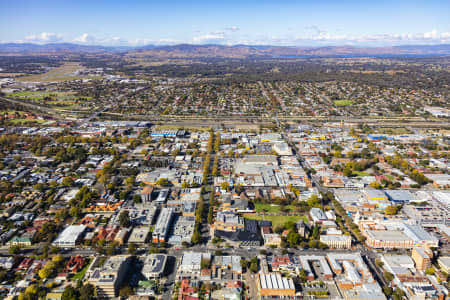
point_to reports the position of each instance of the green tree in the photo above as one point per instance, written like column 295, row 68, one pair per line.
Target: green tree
column 132, row 248
column 430, row 271
column 225, row 185
column 313, row 201
column 254, row 265
column 87, row 292
column 392, row 210
column 124, row 218
column 75, row 211
column 69, row 293
column 388, row 276
column 67, row 181
column 163, row 182
column 196, row 237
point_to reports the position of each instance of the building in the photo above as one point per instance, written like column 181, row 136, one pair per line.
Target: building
column 422, row 258
column 108, row 278
column 188, row 209
column 317, row 215
column 154, row 266
column 249, row 236
column 162, row 225
column 388, row 239
column 272, row 285
column 190, row 265
column 232, row 263
column 427, row 214
column 439, row 180
column 398, row 264
column 282, row 148
column 7, row 262
column 70, row 236
column 337, row 241
column 228, row 221
column 399, row 196
column 419, row 235
column 272, row 239
column 306, row 260
column 444, row 263
column 139, row 235
column 146, row 194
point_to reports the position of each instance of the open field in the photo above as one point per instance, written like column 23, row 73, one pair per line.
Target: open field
column 62, row 73
column 58, row 100
column 37, row 96
column 25, row 121
column 343, row 102
column 270, row 208
column 10, row 75
column 361, row 173
column 393, row 130
column 276, row 220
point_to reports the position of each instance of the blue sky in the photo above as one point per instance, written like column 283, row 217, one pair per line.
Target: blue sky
column 274, row 22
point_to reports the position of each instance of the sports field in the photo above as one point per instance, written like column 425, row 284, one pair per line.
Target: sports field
column 343, row 102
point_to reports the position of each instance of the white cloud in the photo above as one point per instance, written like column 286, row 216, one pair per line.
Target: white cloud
column 210, row 38
column 308, row 36
column 44, row 37
column 85, row 38
column 232, row 28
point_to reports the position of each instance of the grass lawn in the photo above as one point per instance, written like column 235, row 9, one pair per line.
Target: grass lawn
column 270, row 208
column 36, row 95
column 80, row 274
column 389, row 177
column 393, row 130
column 23, row 121
column 343, row 102
column 276, row 220
column 361, row 173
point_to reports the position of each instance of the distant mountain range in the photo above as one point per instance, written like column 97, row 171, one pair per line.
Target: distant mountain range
column 236, row 51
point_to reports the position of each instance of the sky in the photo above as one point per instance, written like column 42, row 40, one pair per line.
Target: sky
column 227, row 22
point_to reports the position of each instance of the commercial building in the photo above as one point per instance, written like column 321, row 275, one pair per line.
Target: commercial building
column 399, row 196
column 146, row 193
column 70, row 236
column 231, row 262
column 272, row 285
column 272, row 239
column 398, row 264
column 249, row 236
column 422, row 258
column 154, row 266
column 162, row 226
column 139, row 235
column 305, row 261
column 444, row 263
column 317, row 215
column 419, row 235
column 190, row 265
column 183, row 228
column 388, row 239
column 228, row 221
column 427, row 214
column 108, row 278
column 337, row 241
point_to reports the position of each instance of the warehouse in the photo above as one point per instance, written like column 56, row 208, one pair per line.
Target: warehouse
column 70, row 236
column 273, row 285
